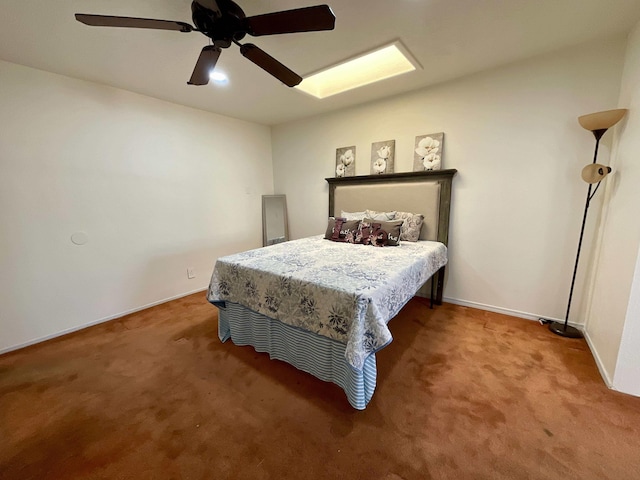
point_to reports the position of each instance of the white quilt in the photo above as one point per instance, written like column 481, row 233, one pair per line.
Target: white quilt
column 341, row 291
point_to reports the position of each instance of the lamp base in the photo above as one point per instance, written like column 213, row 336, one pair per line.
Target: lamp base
column 565, row 330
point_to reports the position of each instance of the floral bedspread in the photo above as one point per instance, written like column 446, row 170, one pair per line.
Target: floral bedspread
column 343, row 291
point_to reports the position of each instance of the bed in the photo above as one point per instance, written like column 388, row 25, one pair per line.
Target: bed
column 324, row 306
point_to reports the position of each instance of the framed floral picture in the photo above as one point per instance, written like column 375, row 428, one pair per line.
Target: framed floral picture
column 346, row 161
column 382, row 157
column 428, row 152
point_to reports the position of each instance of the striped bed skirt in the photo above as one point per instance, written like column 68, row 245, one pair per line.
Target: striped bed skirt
column 320, row 356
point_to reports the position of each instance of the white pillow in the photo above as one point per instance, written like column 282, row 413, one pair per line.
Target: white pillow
column 353, row 215
column 381, row 216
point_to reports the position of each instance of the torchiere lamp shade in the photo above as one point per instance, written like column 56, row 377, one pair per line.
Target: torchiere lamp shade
column 602, row 120
column 594, row 172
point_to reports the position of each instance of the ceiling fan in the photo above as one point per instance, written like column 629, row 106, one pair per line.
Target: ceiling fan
column 224, row 22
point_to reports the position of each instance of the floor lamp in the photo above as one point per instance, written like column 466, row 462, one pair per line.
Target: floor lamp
column 597, row 123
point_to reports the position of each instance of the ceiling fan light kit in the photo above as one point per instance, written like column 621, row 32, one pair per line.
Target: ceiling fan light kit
column 225, row 23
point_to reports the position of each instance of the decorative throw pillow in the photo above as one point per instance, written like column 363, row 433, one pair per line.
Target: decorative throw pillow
column 381, row 216
column 379, row 238
column 371, row 233
column 412, row 223
column 365, row 229
column 341, row 230
column 353, row 215
column 391, row 228
column 332, row 222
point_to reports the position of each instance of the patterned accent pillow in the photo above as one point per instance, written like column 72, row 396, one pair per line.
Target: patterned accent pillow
column 365, row 229
column 353, row 215
column 381, row 216
column 378, row 238
column 412, row 223
column 371, row 233
column 332, row 222
column 341, row 230
column 391, row 228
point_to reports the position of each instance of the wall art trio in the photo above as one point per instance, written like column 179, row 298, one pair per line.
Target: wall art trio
column 427, row 156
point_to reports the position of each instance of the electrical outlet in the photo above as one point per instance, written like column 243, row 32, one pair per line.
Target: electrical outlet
column 191, row 273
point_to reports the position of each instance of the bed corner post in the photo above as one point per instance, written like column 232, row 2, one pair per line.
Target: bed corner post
column 439, row 275
column 332, row 191
column 443, row 225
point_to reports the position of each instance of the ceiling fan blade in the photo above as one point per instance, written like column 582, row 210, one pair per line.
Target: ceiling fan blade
column 308, row 19
column 205, row 64
column 132, row 22
column 270, row 64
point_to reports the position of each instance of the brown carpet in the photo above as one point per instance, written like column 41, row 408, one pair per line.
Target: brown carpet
column 462, row 394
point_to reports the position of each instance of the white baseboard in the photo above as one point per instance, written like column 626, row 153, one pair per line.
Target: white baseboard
column 96, row 322
column 530, row 316
column 603, row 372
column 508, row 311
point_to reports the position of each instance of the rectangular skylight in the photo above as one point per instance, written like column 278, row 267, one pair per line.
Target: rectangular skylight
column 385, row 62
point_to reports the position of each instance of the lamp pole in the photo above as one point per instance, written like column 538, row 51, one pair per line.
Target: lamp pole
column 565, row 329
column 597, row 123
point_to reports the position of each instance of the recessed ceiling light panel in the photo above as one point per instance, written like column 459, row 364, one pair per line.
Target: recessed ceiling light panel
column 379, row 64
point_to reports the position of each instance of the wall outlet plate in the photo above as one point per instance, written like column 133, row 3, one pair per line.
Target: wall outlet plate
column 191, row 273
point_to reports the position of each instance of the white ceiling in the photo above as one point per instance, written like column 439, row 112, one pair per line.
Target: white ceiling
column 450, row 38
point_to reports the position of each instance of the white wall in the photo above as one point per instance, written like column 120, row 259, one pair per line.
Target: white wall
column 614, row 306
column 513, row 135
column 627, row 373
column 157, row 187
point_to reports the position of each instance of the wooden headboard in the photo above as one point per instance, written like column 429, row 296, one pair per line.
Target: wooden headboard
column 428, row 193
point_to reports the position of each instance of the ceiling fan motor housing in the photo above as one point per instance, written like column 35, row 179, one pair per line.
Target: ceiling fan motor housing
column 223, row 28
